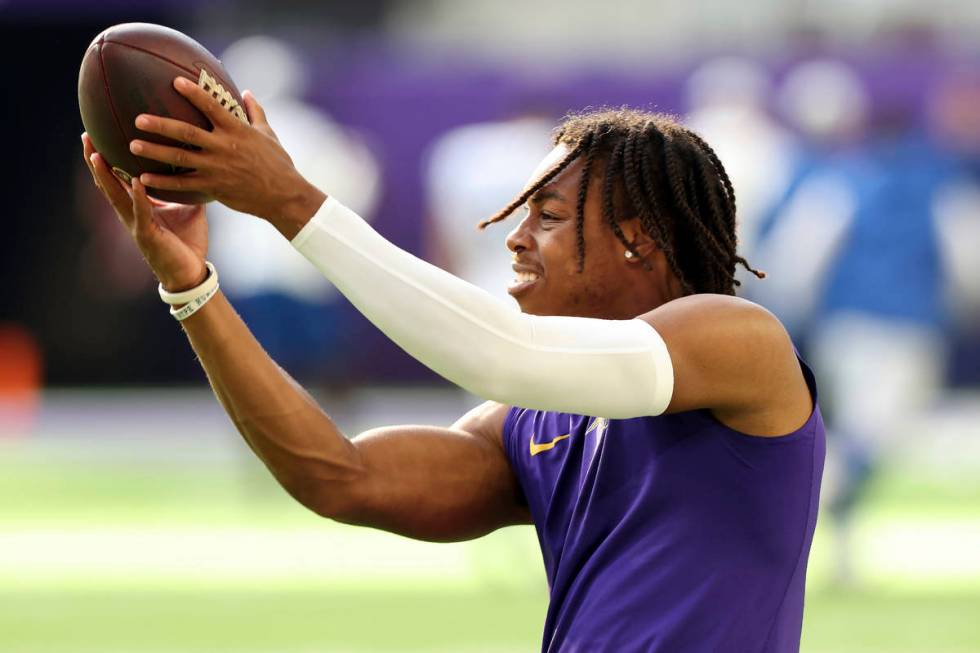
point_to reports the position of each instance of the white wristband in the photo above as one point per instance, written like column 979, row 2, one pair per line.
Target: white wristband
column 184, row 312
column 188, row 296
column 192, row 299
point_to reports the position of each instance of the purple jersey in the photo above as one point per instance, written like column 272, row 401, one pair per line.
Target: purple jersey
column 673, row 533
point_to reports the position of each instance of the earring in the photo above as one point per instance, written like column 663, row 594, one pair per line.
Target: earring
column 629, row 254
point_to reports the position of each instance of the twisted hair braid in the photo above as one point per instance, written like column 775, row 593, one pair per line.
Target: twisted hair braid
column 590, row 141
column 535, row 187
column 668, row 177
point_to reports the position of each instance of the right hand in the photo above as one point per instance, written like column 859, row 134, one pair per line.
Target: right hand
column 173, row 238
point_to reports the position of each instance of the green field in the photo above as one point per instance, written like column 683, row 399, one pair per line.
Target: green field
column 115, row 554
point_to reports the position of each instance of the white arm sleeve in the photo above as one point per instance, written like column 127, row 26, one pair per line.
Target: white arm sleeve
column 603, row 368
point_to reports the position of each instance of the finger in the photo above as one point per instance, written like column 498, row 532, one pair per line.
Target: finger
column 142, row 211
column 88, row 147
column 89, row 154
column 186, row 181
column 87, row 151
column 111, row 187
column 178, row 130
column 206, row 104
column 176, row 156
column 256, row 114
column 140, row 206
column 106, row 177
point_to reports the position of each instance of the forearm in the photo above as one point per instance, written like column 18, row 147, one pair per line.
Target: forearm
column 608, row 368
column 423, row 482
column 297, row 441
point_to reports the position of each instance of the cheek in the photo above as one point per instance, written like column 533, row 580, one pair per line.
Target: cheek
column 558, row 251
column 589, row 289
column 577, row 293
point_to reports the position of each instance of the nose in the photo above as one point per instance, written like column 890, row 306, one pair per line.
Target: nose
column 519, row 239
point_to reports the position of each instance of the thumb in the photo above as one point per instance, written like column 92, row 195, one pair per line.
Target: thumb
column 256, row 114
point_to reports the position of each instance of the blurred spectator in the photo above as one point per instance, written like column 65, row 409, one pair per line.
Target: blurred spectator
column 858, row 222
column 293, row 311
column 955, row 124
column 473, row 171
column 826, row 104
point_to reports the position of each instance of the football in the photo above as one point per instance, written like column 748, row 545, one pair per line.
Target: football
column 129, row 69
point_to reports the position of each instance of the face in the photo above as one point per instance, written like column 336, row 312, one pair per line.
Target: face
column 545, row 251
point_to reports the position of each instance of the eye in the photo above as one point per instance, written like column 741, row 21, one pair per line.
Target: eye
column 549, row 221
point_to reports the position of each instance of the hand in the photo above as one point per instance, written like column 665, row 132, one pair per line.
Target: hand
column 172, row 237
column 243, row 166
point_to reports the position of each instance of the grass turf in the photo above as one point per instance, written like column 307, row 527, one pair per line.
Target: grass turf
column 498, row 607
column 400, row 619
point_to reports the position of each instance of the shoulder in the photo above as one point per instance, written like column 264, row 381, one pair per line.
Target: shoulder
column 738, row 312
column 720, row 329
column 735, row 358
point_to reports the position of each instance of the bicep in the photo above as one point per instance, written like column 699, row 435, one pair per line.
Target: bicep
column 433, row 483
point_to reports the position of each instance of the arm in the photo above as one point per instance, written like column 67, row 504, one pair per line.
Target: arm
column 734, row 358
column 704, row 351
column 424, row 482
column 730, row 356
column 420, row 481
column 480, row 342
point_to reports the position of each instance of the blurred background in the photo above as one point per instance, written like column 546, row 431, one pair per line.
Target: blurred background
column 132, row 518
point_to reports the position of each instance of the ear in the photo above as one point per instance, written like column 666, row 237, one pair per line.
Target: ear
column 641, row 241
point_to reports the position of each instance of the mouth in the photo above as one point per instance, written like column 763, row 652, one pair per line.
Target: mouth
column 523, row 280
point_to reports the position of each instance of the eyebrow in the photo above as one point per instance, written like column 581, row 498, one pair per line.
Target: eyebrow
column 545, row 194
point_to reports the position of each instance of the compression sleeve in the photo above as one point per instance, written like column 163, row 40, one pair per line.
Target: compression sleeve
column 605, row 368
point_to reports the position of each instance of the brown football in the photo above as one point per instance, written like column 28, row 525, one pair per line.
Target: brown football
column 129, row 69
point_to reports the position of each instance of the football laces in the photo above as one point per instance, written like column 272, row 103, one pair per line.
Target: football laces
column 224, row 98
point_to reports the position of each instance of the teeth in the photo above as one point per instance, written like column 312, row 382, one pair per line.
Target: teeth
column 525, row 277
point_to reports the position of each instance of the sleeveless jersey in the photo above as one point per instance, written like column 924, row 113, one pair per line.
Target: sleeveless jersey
column 673, row 533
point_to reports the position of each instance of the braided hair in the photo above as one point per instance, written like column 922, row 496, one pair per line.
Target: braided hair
column 668, row 177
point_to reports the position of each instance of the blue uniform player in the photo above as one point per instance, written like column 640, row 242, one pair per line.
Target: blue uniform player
column 661, row 434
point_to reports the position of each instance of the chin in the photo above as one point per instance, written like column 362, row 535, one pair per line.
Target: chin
column 532, row 301
column 533, row 308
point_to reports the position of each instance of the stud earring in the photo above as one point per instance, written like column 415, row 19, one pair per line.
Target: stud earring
column 629, row 254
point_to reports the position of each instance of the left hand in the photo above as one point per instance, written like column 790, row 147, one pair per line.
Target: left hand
column 242, row 166
column 173, row 238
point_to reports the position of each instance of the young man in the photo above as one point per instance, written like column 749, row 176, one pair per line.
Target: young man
column 660, row 434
